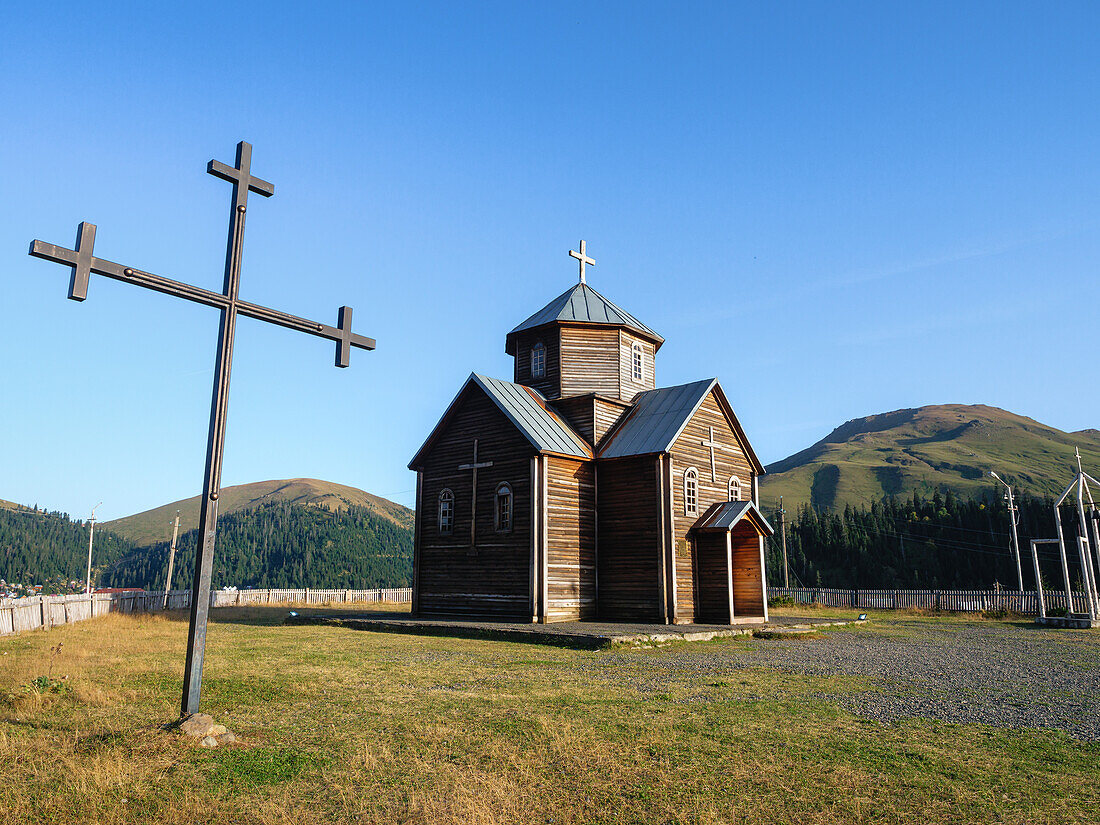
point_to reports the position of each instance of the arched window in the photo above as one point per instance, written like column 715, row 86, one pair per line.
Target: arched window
column 691, row 492
column 735, row 488
column 538, row 360
column 446, row 512
column 504, row 508
column 638, row 353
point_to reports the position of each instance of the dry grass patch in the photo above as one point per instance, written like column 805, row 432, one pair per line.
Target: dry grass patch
column 350, row 726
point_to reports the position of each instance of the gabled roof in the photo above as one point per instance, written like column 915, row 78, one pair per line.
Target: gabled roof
column 582, row 304
column 527, row 410
column 726, row 514
column 659, row 416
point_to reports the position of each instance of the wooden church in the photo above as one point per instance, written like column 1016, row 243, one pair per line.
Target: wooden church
column 581, row 491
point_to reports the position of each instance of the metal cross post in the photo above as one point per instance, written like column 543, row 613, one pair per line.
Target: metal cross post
column 583, row 258
column 475, row 466
column 230, row 306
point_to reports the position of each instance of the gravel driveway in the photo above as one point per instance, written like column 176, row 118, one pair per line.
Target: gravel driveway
column 994, row 673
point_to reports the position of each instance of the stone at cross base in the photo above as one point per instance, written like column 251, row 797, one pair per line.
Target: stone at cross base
column 202, row 726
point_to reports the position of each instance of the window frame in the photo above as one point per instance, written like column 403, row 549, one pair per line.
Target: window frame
column 540, row 348
column 637, row 361
column 691, row 492
column 446, row 496
column 734, row 482
column 504, row 491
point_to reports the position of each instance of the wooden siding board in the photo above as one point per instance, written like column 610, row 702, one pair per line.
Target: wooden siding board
column 606, row 414
column 688, row 451
column 694, row 572
column 589, row 360
column 579, row 412
column 628, row 385
column 629, row 541
column 550, row 384
column 571, row 547
column 492, row 579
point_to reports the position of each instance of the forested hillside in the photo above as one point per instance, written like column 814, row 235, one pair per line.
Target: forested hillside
column 36, row 546
column 940, row 542
column 284, row 545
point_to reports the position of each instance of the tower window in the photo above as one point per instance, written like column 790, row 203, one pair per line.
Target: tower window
column 735, row 488
column 504, row 508
column 637, row 361
column 446, row 512
column 538, row 360
column 691, row 492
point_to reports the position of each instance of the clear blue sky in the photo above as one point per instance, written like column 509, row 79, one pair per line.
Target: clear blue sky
column 837, row 209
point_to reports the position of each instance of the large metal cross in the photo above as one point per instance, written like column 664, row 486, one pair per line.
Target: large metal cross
column 474, row 466
column 83, row 263
column 583, row 258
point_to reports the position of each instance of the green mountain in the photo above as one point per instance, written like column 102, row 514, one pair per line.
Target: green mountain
column 283, row 544
column 38, row 547
column 155, row 525
column 928, row 449
column 294, row 533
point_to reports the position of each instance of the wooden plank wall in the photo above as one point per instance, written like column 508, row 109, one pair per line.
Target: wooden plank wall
column 629, row 540
column 748, row 577
column 688, row 451
column 491, row 580
column 605, row 415
column 628, row 386
column 579, row 412
column 571, row 551
column 550, row 384
column 590, row 361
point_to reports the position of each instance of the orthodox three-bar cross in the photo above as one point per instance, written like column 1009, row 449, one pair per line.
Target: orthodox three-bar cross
column 230, row 306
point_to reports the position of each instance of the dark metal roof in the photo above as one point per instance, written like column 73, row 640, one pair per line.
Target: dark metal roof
column 725, row 516
column 583, row 304
column 527, row 409
column 658, row 418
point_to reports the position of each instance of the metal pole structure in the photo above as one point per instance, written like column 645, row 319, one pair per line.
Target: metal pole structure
column 1015, row 539
column 1065, row 564
column 171, row 560
column 229, row 304
column 783, row 541
column 91, row 533
column 1038, row 579
column 1084, row 550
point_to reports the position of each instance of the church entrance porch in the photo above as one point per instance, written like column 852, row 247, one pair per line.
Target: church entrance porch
column 730, row 584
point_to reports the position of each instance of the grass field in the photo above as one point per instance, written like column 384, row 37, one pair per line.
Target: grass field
column 344, row 726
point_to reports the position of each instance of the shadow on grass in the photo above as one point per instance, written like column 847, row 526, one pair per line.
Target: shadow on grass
column 276, row 614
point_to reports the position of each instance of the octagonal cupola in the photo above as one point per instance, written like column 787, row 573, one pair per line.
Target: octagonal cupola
column 582, row 343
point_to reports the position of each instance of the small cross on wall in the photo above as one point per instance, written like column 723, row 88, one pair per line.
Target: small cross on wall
column 583, row 258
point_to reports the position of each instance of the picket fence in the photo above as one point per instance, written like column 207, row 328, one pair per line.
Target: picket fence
column 44, row 612
column 962, row 601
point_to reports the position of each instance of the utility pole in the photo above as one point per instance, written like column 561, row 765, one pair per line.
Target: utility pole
column 1015, row 539
column 783, row 540
column 91, row 533
column 171, row 559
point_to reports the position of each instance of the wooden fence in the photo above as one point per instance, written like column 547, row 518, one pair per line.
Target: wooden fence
column 963, row 601
column 45, row 612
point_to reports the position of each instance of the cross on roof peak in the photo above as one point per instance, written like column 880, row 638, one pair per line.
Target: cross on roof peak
column 582, row 256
